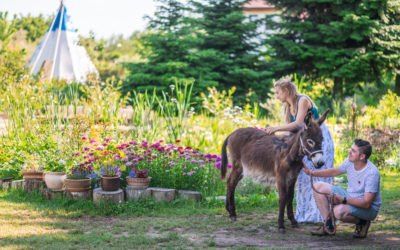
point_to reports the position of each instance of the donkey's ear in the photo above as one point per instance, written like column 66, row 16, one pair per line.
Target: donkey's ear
column 307, row 119
column 323, row 117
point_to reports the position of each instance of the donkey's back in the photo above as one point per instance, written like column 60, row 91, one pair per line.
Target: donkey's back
column 254, row 153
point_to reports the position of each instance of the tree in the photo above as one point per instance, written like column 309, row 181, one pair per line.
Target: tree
column 210, row 42
column 326, row 39
column 230, row 48
column 385, row 41
column 168, row 50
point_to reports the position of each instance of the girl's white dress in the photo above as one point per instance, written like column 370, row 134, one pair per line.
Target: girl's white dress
column 306, row 208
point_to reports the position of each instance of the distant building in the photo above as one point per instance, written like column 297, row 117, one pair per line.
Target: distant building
column 257, row 9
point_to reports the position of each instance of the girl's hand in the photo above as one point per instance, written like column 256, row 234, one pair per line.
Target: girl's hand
column 271, row 130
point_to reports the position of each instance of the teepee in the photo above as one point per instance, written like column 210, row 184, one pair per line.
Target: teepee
column 59, row 54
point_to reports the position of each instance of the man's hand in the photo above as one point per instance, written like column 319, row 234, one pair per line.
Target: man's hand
column 337, row 199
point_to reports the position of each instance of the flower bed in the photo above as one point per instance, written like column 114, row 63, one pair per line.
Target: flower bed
column 169, row 165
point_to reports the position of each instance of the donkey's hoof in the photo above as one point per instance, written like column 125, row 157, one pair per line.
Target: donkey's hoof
column 295, row 225
column 232, row 217
column 282, row 230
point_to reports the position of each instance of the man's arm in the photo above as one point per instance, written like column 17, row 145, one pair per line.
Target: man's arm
column 357, row 202
column 330, row 172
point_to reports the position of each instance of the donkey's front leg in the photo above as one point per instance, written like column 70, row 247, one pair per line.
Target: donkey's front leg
column 282, row 190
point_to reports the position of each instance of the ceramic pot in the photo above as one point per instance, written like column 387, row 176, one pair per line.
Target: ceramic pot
column 54, row 180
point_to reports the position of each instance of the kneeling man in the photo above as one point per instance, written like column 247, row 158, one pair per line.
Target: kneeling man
column 361, row 203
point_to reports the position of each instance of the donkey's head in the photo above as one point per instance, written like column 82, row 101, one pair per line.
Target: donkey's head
column 311, row 139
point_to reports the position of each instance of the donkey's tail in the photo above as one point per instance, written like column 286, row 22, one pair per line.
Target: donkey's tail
column 224, row 157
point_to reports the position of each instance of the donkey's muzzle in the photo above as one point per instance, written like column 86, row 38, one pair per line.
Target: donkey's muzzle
column 318, row 160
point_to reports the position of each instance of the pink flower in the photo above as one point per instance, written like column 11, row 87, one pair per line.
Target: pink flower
column 229, row 166
column 83, row 138
column 108, row 139
column 221, row 178
column 92, row 140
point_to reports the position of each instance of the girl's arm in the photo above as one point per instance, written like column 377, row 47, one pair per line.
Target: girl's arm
column 303, row 106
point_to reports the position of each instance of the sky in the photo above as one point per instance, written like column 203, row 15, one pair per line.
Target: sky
column 103, row 17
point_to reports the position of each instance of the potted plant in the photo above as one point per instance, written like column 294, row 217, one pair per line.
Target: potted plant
column 78, row 180
column 110, row 177
column 32, row 169
column 138, row 178
column 55, row 174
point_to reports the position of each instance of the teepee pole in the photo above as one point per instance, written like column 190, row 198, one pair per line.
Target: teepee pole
column 44, row 44
column 58, row 40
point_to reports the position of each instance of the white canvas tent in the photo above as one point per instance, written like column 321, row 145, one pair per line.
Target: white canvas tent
column 60, row 44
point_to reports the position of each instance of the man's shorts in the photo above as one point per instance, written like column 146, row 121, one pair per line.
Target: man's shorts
column 363, row 213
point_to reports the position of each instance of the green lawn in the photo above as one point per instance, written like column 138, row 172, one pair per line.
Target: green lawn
column 29, row 222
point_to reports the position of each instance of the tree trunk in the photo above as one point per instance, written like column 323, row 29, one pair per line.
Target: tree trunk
column 337, row 88
column 397, row 85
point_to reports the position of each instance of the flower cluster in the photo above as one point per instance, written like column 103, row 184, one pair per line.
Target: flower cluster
column 80, row 172
column 103, row 157
column 139, row 173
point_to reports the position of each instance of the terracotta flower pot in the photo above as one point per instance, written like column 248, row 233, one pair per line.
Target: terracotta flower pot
column 54, row 180
column 138, row 182
column 32, row 174
column 110, row 183
column 77, row 185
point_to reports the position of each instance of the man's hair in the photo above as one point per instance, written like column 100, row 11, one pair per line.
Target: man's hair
column 364, row 147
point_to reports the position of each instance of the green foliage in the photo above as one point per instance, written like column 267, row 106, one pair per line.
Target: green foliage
column 109, row 54
column 35, row 27
column 386, row 114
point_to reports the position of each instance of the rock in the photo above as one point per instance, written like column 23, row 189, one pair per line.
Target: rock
column 163, row 194
column 50, row 194
column 218, row 198
column 33, row 184
column 190, row 195
column 135, row 193
column 17, row 184
column 5, row 185
column 99, row 195
column 85, row 195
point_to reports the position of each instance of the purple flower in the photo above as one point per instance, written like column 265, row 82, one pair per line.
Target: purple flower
column 83, row 138
column 92, row 140
column 184, row 167
column 108, row 139
column 218, row 165
column 229, row 166
column 203, row 166
column 219, row 159
column 129, row 164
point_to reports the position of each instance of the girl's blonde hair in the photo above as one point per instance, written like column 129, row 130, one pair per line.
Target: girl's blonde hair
column 287, row 84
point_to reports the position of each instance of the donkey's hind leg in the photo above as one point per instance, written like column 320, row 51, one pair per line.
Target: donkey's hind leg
column 234, row 178
column 289, row 205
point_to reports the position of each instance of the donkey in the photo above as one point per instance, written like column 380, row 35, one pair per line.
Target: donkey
column 256, row 154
